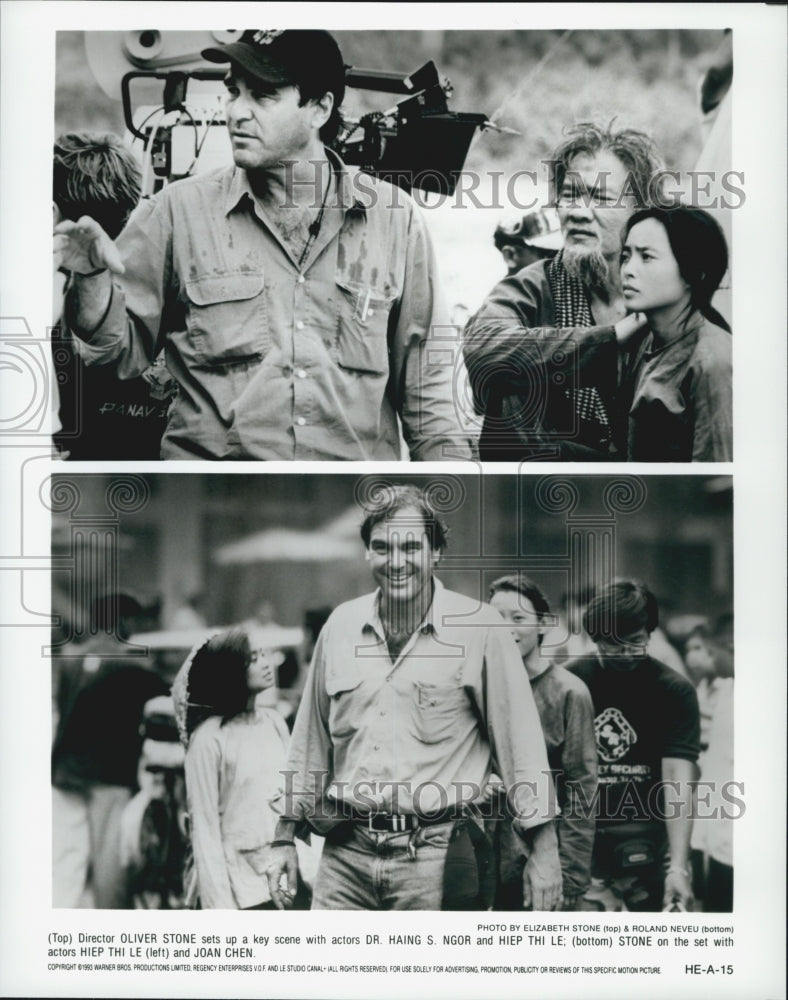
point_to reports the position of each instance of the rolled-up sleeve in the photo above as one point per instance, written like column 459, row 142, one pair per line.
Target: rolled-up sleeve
column 514, row 731
column 129, row 333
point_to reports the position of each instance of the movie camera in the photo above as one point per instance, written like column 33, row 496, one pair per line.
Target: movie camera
column 173, row 104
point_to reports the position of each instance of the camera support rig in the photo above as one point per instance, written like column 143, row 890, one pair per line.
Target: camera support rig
column 417, row 143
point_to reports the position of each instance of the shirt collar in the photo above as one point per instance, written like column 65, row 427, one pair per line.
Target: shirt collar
column 238, row 190
column 683, row 344
column 346, row 196
column 437, row 612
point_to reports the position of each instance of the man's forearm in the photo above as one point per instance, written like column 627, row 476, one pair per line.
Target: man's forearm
column 542, row 888
column 88, row 300
column 285, row 830
column 680, row 793
column 543, row 839
column 679, row 830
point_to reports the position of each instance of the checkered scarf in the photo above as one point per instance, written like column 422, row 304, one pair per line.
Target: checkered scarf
column 572, row 309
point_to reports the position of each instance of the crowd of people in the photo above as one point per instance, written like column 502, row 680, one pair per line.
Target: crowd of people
column 279, row 309
column 445, row 753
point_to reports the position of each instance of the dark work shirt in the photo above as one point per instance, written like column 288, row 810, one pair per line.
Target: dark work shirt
column 104, row 417
column 98, row 738
column 682, row 398
column 525, row 372
column 641, row 716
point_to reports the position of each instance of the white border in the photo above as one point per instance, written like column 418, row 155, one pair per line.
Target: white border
column 759, row 322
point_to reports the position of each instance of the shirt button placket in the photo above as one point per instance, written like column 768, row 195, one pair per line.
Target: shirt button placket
column 299, row 392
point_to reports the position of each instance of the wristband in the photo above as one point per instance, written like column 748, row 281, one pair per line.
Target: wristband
column 92, row 274
column 677, row 870
column 282, row 843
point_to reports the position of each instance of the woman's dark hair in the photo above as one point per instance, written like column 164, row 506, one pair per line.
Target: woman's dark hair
column 518, row 583
column 698, row 244
column 621, row 609
column 217, row 677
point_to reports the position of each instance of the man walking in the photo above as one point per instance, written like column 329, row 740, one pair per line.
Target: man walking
column 412, row 691
column 647, row 727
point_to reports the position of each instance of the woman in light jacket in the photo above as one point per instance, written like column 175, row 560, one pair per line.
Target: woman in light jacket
column 233, row 769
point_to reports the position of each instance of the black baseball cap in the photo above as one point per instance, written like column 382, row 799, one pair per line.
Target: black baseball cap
column 307, row 59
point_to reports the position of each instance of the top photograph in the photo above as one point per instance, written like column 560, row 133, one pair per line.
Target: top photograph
column 302, row 245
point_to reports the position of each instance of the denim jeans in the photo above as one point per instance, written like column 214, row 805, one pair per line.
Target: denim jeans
column 86, row 863
column 367, row 870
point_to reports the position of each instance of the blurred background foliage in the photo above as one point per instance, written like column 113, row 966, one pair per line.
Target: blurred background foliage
column 537, row 81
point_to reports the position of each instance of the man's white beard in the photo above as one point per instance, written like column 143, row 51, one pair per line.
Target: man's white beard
column 587, row 265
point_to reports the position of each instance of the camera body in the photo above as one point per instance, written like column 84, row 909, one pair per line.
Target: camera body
column 173, row 104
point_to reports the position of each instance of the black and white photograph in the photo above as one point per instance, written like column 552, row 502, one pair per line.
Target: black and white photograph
column 374, row 245
column 367, row 693
column 470, row 730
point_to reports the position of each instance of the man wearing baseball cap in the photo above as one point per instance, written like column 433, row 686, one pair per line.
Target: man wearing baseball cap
column 531, row 237
column 295, row 301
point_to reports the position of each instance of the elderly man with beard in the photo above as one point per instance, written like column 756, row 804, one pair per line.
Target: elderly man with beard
column 544, row 352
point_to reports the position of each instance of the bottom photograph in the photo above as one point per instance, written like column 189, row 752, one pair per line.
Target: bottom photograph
column 424, row 692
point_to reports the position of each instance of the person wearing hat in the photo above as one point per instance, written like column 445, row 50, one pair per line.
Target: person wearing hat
column 295, row 300
column 532, row 237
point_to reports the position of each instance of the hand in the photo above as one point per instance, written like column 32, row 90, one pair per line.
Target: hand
column 627, row 327
column 83, row 247
column 542, row 882
column 569, row 903
column 678, row 890
column 493, row 786
column 282, row 865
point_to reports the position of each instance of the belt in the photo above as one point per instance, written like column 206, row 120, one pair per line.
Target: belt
column 400, row 822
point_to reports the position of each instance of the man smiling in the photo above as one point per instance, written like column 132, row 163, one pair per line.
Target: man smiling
column 542, row 352
column 412, row 691
column 296, row 316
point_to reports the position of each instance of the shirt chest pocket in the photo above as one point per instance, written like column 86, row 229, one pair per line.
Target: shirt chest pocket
column 362, row 323
column 226, row 318
column 344, row 713
column 438, row 710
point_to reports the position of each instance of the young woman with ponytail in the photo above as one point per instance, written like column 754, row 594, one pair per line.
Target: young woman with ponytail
column 672, row 263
